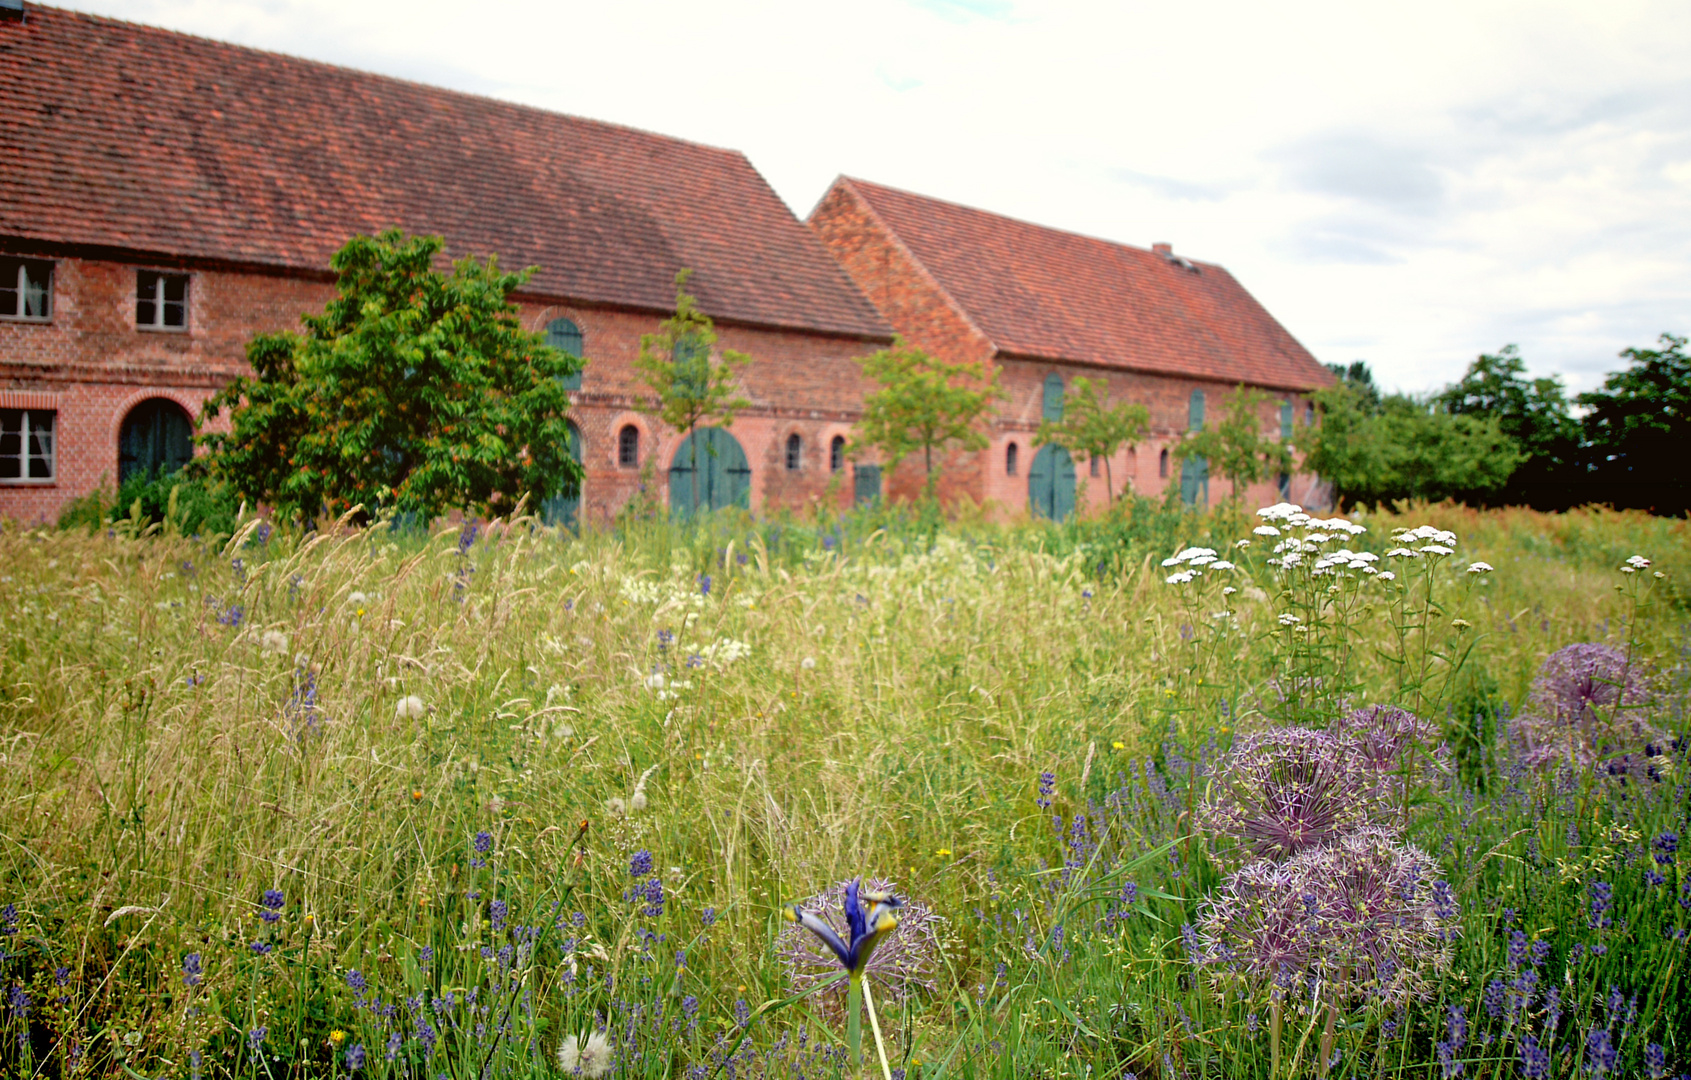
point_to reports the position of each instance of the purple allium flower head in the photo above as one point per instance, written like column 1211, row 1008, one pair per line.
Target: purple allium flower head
column 1383, row 739
column 909, row 957
column 1287, row 790
column 1358, row 912
column 1587, row 707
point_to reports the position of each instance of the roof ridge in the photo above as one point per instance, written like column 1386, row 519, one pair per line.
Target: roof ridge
column 365, row 73
column 1019, row 220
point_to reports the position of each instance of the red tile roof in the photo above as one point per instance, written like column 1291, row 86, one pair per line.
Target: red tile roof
column 145, row 140
column 1043, row 293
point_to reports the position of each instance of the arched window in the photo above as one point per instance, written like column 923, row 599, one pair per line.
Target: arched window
column 1052, row 405
column 1162, row 464
column 795, row 452
column 1092, row 464
column 1010, row 453
column 628, row 447
column 565, row 336
column 836, row 454
column 157, row 437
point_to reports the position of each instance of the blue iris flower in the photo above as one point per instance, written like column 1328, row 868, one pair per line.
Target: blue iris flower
column 867, row 927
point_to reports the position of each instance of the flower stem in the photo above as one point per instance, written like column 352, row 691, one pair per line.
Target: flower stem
column 875, row 1026
column 854, row 1022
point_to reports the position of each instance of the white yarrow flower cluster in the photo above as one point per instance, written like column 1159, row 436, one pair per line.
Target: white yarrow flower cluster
column 1195, row 561
column 1305, row 546
column 1635, row 564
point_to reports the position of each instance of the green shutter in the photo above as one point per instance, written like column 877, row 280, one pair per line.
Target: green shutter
column 1051, row 485
column 866, row 484
column 1195, row 412
column 1286, row 419
column 1053, row 404
column 565, row 336
column 562, row 508
column 1195, row 471
column 724, row 475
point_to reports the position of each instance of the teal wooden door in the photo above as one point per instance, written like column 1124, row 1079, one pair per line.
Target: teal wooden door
column 157, row 438
column 866, row 484
column 562, row 508
column 1195, row 471
column 714, row 459
column 1051, row 483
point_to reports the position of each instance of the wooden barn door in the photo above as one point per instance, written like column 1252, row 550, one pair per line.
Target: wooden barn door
column 713, row 458
column 1051, row 483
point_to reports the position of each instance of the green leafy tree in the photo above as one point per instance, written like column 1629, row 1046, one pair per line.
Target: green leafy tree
column 413, row 390
column 691, row 381
column 924, row 404
column 1408, row 449
column 1359, row 377
column 1532, row 412
column 1090, row 429
column 1638, row 430
column 1236, row 447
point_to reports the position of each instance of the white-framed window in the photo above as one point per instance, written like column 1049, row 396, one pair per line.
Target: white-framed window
column 26, row 289
column 161, row 300
column 26, row 446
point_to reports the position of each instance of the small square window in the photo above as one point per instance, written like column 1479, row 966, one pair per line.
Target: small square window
column 26, row 289
column 26, row 446
column 161, row 300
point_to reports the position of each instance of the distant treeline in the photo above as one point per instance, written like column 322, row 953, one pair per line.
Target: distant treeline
column 1497, row 437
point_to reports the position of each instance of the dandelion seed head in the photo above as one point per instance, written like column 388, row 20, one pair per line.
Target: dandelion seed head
column 585, row 1055
column 410, row 707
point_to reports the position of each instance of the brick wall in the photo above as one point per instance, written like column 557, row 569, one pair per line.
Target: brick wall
column 926, row 316
column 94, row 365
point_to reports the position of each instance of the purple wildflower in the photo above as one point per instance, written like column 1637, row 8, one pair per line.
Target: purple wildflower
column 1588, row 707
column 1287, row 790
column 354, row 1057
column 1047, row 784
column 641, row 864
column 191, row 970
column 355, row 980
column 908, row 959
column 271, row 904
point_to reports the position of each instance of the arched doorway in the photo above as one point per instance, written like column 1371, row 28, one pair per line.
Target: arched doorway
column 1051, row 483
column 157, row 437
column 709, row 471
column 562, row 508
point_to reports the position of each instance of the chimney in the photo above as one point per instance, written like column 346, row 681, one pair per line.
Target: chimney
column 1165, row 250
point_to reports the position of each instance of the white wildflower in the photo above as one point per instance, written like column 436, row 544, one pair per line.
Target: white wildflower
column 274, row 641
column 637, row 801
column 1266, row 530
column 1181, row 578
column 1279, row 511
column 1628, row 570
column 1288, row 619
column 1172, row 560
column 1229, row 591
column 1241, row 543
column 808, row 663
column 1403, row 553
column 1638, row 562
column 1387, row 575
column 1317, row 538
column 1437, row 549
column 410, row 707
column 356, row 599
column 590, row 1055
column 655, row 681
column 1221, row 564
column 615, row 807
column 1479, row 568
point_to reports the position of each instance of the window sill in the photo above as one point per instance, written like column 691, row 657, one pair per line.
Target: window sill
column 162, row 329
column 29, row 483
column 26, row 320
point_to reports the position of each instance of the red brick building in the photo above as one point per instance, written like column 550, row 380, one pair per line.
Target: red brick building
column 1045, row 306
column 166, row 197
column 163, row 198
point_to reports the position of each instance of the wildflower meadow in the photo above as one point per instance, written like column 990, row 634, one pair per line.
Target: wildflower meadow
column 1249, row 794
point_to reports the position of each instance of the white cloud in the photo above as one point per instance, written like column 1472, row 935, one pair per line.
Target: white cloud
column 1409, row 185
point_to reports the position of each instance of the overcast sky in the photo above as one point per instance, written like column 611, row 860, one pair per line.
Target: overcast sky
column 1405, row 184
